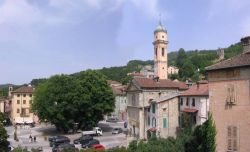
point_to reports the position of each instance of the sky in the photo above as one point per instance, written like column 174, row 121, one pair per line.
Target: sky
column 41, row 38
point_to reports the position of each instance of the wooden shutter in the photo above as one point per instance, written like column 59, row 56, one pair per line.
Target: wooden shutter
column 235, row 139
column 229, row 138
column 164, row 122
column 232, row 138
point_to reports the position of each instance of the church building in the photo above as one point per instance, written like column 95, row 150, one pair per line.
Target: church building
column 149, row 99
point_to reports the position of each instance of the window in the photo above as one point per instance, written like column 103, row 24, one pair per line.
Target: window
column 24, row 101
column 30, row 102
column 194, row 119
column 24, row 95
column 162, row 36
column 18, row 110
column 164, row 122
column 162, row 51
column 18, row 101
column 153, row 122
column 153, row 108
column 193, row 102
column 181, row 101
column 187, row 103
column 148, row 121
column 149, row 109
column 18, row 95
column 30, row 95
column 232, row 138
column 133, row 100
column 155, row 51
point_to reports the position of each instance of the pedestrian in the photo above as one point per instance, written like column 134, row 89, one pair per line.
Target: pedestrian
column 30, row 139
column 34, row 138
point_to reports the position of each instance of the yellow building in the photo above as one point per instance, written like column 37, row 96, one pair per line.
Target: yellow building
column 21, row 105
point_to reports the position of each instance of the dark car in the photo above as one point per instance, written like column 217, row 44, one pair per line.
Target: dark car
column 90, row 143
column 54, row 142
column 64, row 146
column 82, row 139
column 117, row 130
column 114, row 120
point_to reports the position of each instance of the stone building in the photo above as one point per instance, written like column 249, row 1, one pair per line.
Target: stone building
column 21, row 105
column 173, row 70
column 229, row 94
column 195, row 102
column 147, row 71
column 220, row 53
column 144, row 97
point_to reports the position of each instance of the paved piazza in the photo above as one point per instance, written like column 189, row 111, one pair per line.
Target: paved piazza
column 43, row 131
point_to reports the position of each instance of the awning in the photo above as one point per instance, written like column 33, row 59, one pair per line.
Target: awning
column 20, row 120
column 189, row 110
column 152, row 129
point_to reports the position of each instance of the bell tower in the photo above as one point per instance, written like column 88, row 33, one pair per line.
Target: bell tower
column 160, row 52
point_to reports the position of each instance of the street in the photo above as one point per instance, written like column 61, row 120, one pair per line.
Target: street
column 43, row 131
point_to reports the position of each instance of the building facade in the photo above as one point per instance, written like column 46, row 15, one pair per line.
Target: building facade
column 145, row 111
column 119, row 92
column 195, row 103
column 229, row 93
column 21, row 105
column 173, row 70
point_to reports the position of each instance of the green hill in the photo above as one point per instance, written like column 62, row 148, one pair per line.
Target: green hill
column 187, row 61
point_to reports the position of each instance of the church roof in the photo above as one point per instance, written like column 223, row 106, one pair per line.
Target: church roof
column 160, row 28
column 148, row 83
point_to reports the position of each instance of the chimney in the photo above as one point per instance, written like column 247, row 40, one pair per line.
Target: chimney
column 245, row 42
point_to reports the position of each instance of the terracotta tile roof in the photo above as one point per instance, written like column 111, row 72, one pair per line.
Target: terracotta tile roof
column 189, row 110
column 237, row 61
column 200, row 89
column 161, row 83
column 24, row 89
column 120, row 90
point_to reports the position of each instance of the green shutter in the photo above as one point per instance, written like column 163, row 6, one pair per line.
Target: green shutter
column 153, row 108
column 164, row 122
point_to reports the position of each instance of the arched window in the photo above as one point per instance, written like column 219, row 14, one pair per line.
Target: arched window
column 153, row 108
column 162, row 51
column 155, row 51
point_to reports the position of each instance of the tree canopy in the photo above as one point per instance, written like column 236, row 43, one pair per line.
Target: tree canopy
column 65, row 100
column 3, row 139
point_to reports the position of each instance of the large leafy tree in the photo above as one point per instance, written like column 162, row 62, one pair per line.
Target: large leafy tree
column 65, row 100
column 3, row 139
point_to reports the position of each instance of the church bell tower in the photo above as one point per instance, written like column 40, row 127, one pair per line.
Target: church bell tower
column 160, row 52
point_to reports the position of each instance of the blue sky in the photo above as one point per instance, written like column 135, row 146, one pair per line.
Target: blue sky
column 40, row 38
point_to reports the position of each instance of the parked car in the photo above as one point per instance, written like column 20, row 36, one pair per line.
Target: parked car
column 114, row 120
column 98, row 147
column 83, row 138
column 57, row 140
column 97, row 131
column 88, row 144
column 64, row 146
column 117, row 130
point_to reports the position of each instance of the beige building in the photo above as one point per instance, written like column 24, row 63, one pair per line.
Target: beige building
column 160, row 52
column 145, row 101
column 173, row 70
column 119, row 91
column 21, row 105
column 168, row 115
column 229, row 93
